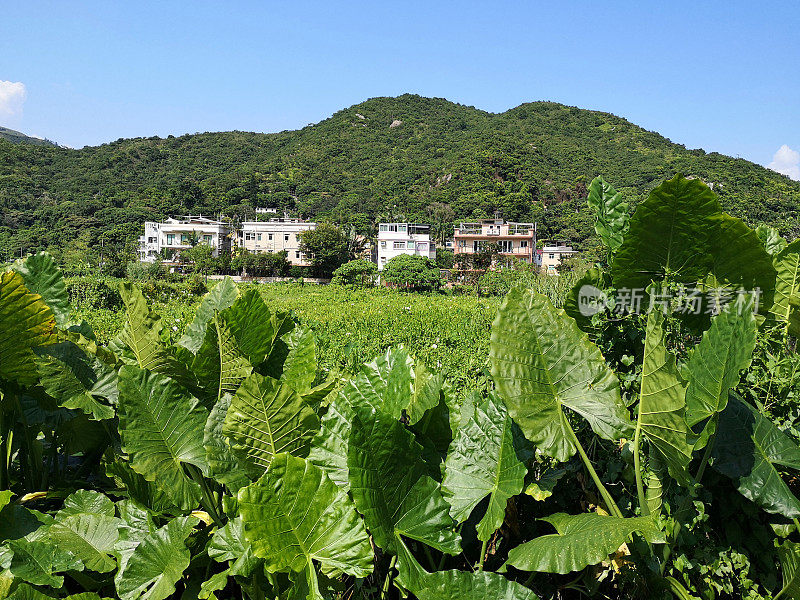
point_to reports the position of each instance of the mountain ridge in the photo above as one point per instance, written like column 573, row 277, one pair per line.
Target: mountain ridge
column 386, row 157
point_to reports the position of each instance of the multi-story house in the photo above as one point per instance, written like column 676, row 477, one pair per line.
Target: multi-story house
column 395, row 239
column 275, row 235
column 552, row 253
column 514, row 240
column 167, row 239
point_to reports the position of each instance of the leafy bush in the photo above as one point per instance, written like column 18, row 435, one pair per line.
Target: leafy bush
column 358, row 273
column 93, row 292
column 229, row 465
column 415, row 273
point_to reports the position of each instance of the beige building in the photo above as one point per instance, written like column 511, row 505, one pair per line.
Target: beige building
column 514, row 240
column 167, row 239
column 552, row 253
column 275, row 235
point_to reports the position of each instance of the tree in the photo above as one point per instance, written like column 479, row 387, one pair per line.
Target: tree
column 445, row 259
column 441, row 217
column 415, row 273
column 327, row 246
column 200, row 257
column 359, row 273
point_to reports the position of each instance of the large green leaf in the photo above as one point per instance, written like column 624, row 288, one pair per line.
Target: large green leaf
column 222, row 462
column 221, row 296
column 253, row 326
column 161, row 427
column 220, row 366
column 587, row 298
column 25, row 323
column 749, row 448
column 662, row 402
column 87, row 528
column 789, row 556
column 141, row 333
column 300, row 366
column 230, row 544
column 714, row 366
column 482, row 462
column 77, row 380
column 390, row 486
column 329, row 446
column 611, row 213
column 265, row 418
column 157, row 562
column 38, row 561
column 294, row 514
column 42, row 276
column 681, row 233
column 787, row 286
column 541, row 362
column 447, row 585
column 582, row 540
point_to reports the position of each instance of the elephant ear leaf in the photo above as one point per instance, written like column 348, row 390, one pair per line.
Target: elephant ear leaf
column 662, row 403
column 580, row 541
column 789, row 556
column 749, row 448
column 161, row 427
column 223, row 464
column 220, row 365
column 714, row 366
column 157, row 562
column 772, row 240
column 42, row 276
column 446, row 585
column 294, row 515
column 611, row 213
column 391, row 489
column 541, row 362
column 787, row 286
column 25, row 322
column 482, row 461
column 265, row 418
column 223, row 295
column 141, row 333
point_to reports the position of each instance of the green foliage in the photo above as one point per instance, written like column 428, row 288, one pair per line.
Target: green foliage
column 232, row 465
column 413, row 273
column 327, row 246
column 358, row 273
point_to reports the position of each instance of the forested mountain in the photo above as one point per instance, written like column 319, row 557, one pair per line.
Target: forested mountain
column 387, row 157
column 18, row 137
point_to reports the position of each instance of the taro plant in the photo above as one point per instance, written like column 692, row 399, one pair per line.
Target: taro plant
column 619, row 455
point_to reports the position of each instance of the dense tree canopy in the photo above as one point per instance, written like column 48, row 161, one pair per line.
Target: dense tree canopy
column 445, row 161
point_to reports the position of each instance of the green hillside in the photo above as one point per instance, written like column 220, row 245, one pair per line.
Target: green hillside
column 530, row 163
column 17, row 137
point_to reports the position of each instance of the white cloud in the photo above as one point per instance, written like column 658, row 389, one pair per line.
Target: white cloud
column 787, row 162
column 12, row 96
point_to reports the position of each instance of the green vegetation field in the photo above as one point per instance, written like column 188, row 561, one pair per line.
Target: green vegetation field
column 450, row 333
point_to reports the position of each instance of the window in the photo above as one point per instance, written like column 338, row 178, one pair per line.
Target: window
column 184, row 238
column 423, row 246
column 207, row 239
column 393, row 227
column 462, row 243
column 383, row 259
column 551, row 256
column 258, row 237
column 285, row 237
column 170, row 239
column 506, row 245
column 399, row 246
column 151, row 240
column 269, row 237
column 523, row 244
column 402, row 228
column 478, row 245
column 410, row 245
column 383, row 245
column 297, row 254
column 384, row 227
column 249, row 236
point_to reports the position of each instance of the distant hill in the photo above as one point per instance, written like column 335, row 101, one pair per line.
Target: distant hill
column 384, row 158
column 16, row 137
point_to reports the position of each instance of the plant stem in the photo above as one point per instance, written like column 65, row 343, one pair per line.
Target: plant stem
column 643, row 507
column 388, row 581
column 206, row 500
column 610, row 504
column 483, row 555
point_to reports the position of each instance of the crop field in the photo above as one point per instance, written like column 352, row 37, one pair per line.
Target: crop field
column 632, row 433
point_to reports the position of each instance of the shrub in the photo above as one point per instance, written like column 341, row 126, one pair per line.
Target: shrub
column 415, row 273
column 359, row 273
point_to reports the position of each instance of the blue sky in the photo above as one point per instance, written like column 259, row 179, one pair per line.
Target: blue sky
column 720, row 75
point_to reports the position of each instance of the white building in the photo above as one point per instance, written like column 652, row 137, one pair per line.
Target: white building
column 173, row 235
column 551, row 255
column 404, row 238
column 275, row 235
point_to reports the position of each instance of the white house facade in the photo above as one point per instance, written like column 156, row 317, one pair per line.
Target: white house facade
column 395, row 239
column 167, row 239
column 275, row 235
